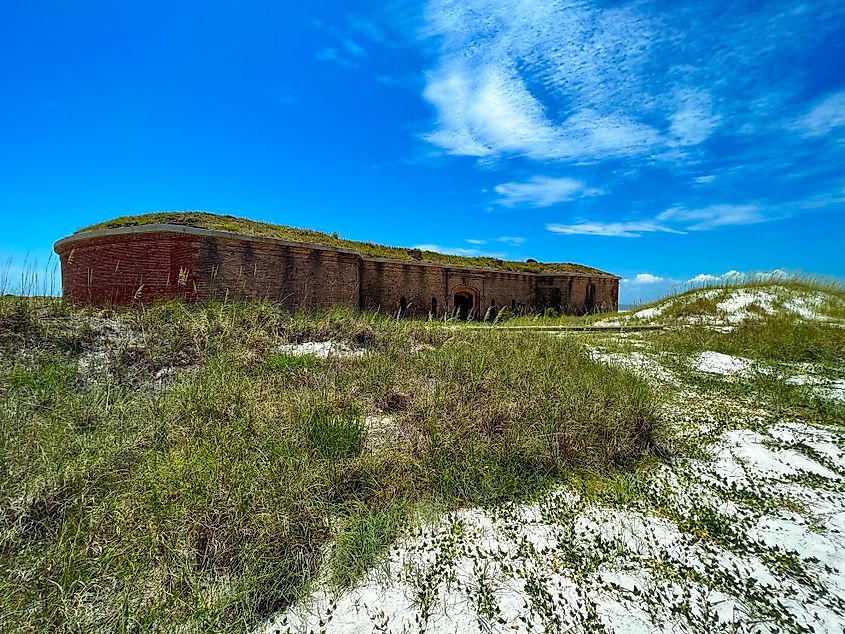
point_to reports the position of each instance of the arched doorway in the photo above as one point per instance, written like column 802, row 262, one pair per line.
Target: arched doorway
column 465, row 300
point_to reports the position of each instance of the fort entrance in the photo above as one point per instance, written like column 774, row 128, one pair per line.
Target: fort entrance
column 465, row 302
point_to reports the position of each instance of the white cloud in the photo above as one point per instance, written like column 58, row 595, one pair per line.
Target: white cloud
column 613, row 229
column 734, row 275
column 703, row 278
column 589, row 81
column 703, row 180
column 644, row 278
column 470, row 253
column 541, row 191
column 513, row 241
column 490, row 111
column 826, row 116
column 488, row 114
column 476, row 241
column 681, row 220
column 715, row 216
column 694, row 121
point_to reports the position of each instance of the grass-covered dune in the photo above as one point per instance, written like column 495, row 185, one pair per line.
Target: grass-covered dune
column 185, row 468
column 233, row 224
column 781, row 319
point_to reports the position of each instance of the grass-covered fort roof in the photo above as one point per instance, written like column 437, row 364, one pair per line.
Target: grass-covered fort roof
column 244, row 226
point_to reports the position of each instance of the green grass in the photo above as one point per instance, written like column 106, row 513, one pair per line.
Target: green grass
column 243, row 226
column 701, row 300
column 332, row 435
column 291, row 363
column 361, row 540
column 168, row 468
column 775, row 338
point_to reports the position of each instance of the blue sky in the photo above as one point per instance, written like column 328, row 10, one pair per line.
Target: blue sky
column 658, row 140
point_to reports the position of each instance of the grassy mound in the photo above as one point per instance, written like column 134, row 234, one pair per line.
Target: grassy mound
column 785, row 319
column 243, row 226
column 745, row 298
column 182, row 468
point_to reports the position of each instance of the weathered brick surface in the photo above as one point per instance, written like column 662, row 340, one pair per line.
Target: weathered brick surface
column 122, row 269
column 124, row 266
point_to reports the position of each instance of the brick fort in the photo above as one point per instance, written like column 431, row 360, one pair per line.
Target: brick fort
column 194, row 256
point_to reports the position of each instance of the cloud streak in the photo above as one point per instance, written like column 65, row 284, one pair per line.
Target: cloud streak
column 682, row 220
column 541, row 191
column 825, row 117
column 713, row 216
column 470, row 253
column 611, row 229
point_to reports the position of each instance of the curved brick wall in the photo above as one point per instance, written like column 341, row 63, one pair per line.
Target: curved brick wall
column 156, row 262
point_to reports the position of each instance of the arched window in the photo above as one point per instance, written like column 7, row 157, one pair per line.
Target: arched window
column 403, row 304
column 513, row 305
column 434, row 306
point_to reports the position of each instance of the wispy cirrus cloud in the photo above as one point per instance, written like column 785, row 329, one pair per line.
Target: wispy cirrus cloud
column 470, row 253
column 494, row 113
column 514, row 241
column 681, row 220
column 631, row 229
column 542, row 191
column 825, row 116
column 653, row 105
column 712, row 216
column 592, row 81
column 676, row 220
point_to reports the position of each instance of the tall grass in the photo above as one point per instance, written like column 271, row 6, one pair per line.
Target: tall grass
column 204, row 502
column 692, row 299
column 777, row 338
column 30, row 278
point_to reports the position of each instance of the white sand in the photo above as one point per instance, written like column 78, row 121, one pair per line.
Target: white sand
column 724, row 364
column 321, row 349
column 638, row 570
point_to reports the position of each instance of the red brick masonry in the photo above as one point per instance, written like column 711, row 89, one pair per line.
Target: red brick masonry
column 157, row 262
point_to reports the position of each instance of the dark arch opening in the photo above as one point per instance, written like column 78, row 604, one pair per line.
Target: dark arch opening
column 403, row 305
column 590, row 302
column 513, row 305
column 434, row 306
column 556, row 299
column 463, row 305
